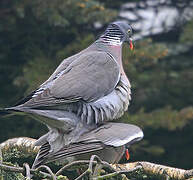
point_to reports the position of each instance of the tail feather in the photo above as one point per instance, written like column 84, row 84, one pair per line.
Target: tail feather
column 51, row 118
column 44, row 151
column 5, row 112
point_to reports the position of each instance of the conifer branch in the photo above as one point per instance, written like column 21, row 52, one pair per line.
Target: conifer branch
column 95, row 166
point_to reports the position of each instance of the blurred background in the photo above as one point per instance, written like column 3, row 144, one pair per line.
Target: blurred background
column 36, row 35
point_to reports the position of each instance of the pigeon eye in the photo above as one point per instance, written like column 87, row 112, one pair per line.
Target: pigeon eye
column 129, row 30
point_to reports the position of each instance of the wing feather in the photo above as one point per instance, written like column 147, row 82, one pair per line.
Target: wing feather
column 114, row 134
column 91, row 76
column 44, row 156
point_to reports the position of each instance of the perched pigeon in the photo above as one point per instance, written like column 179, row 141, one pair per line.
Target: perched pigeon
column 109, row 141
column 90, row 87
column 85, row 91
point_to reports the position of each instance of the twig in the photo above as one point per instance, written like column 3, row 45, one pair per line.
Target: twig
column 48, row 169
column 98, row 169
column 83, row 174
column 110, row 175
column 21, row 170
column 90, row 167
column 89, row 171
column 1, row 155
column 12, row 168
column 79, row 163
column 1, row 161
column 27, row 170
column 92, row 160
column 83, row 163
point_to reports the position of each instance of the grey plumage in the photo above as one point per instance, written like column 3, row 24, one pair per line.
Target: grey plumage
column 108, row 141
column 90, row 85
column 80, row 80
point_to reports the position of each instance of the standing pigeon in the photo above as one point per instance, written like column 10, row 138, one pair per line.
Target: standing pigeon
column 90, row 87
column 86, row 90
column 109, row 141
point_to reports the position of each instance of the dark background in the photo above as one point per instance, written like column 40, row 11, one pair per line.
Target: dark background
column 36, row 35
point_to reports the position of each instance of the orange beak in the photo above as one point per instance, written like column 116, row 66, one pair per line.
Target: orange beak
column 127, row 154
column 131, row 45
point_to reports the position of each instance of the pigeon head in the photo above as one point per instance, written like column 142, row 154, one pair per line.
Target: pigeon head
column 125, row 28
column 118, row 32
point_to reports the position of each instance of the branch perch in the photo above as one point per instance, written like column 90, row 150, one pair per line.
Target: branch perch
column 159, row 170
column 26, row 146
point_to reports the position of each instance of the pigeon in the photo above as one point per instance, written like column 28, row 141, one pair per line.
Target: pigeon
column 89, row 87
column 109, row 141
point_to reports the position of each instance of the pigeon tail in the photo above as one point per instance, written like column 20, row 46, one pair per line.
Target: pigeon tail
column 4, row 112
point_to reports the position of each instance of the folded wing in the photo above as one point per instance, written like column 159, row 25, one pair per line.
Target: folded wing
column 91, row 76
